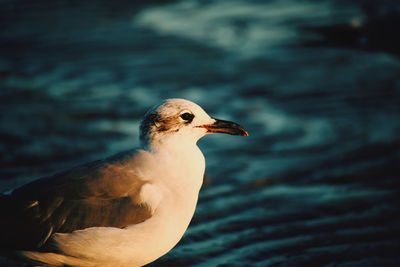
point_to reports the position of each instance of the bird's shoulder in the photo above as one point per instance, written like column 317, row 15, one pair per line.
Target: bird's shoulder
column 107, row 178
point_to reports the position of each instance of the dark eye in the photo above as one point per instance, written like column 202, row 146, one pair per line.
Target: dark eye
column 187, row 117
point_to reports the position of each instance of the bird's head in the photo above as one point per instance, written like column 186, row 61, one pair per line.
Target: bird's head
column 182, row 120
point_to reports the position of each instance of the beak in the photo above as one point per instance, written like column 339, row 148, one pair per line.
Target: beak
column 221, row 126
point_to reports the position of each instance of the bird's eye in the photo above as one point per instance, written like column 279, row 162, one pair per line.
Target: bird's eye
column 187, row 117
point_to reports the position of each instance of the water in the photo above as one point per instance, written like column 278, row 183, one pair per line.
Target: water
column 317, row 180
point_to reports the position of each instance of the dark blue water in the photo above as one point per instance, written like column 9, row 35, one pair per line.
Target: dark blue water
column 315, row 83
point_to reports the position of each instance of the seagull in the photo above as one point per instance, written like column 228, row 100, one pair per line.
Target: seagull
column 125, row 210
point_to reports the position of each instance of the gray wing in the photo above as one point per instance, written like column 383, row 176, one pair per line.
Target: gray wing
column 103, row 193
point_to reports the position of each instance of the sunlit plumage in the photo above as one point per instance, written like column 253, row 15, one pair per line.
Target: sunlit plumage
column 126, row 210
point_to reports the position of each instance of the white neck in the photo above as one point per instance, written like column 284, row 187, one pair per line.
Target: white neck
column 183, row 156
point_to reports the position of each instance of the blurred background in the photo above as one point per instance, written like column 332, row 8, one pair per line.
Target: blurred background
column 315, row 83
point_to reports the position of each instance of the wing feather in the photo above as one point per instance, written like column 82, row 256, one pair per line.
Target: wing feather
column 102, row 193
